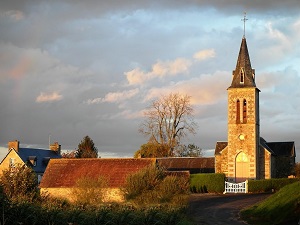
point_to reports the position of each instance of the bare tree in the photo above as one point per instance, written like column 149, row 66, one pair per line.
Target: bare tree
column 169, row 119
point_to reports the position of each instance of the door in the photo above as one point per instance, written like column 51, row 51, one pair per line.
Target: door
column 241, row 167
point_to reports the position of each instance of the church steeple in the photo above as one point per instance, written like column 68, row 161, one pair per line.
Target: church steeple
column 243, row 75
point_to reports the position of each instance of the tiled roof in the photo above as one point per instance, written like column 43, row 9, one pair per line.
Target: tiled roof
column 39, row 156
column 187, row 163
column 220, row 145
column 65, row 172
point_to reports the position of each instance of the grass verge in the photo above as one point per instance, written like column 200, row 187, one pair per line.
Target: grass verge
column 281, row 208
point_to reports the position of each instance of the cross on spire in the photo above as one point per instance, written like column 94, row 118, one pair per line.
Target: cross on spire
column 244, row 19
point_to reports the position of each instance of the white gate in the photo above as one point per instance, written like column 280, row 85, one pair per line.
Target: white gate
column 236, row 187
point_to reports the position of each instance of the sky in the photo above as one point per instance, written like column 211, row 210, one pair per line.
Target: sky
column 72, row 68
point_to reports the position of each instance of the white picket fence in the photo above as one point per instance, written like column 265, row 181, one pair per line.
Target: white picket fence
column 236, row 187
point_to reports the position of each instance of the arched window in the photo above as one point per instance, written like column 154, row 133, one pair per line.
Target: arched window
column 238, row 111
column 242, row 76
column 244, row 111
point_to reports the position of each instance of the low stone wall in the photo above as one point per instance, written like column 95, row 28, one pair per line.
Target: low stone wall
column 111, row 194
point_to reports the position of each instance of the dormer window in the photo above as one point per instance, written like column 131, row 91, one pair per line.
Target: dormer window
column 32, row 160
column 242, row 76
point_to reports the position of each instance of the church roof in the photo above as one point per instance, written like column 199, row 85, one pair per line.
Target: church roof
column 283, row 148
column 243, row 75
column 220, row 146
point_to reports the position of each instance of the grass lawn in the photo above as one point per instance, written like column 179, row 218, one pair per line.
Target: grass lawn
column 281, row 208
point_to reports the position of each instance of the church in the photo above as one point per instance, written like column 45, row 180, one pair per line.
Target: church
column 246, row 155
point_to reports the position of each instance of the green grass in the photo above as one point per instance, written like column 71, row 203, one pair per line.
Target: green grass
column 281, row 208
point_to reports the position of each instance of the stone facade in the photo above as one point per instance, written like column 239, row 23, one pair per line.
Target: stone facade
column 243, row 130
column 246, row 155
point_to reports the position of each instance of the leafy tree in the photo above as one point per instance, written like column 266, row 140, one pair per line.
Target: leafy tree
column 19, row 183
column 168, row 120
column 152, row 150
column 86, row 149
column 190, row 150
column 69, row 155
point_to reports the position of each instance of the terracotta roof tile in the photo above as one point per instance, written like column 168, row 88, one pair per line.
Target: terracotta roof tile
column 65, row 172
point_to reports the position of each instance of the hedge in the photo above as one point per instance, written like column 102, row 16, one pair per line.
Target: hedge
column 207, row 183
column 268, row 185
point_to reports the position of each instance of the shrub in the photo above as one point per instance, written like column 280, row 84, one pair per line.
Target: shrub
column 89, row 191
column 19, row 183
column 207, row 183
column 152, row 186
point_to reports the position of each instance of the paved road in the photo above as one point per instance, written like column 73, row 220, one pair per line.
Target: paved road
column 217, row 209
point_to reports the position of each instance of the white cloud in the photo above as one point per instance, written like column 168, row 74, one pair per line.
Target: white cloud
column 159, row 69
column 114, row 97
column 49, row 97
column 204, row 54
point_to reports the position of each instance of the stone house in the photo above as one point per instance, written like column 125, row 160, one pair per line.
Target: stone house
column 37, row 159
column 246, row 155
column 61, row 175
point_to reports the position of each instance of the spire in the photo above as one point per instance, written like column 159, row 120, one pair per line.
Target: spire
column 243, row 75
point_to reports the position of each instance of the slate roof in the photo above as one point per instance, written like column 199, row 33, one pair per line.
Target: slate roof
column 243, row 62
column 220, row 145
column 63, row 173
column 283, row 148
column 41, row 157
column 275, row 148
column 186, row 163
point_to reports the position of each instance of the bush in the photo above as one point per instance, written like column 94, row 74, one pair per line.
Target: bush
column 207, row 183
column 268, row 185
column 152, row 186
column 19, row 183
column 89, row 191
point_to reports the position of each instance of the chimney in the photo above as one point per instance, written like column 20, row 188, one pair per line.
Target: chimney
column 13, row 145
column 55, row 147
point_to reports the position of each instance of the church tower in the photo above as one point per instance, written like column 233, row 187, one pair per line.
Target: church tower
column 243, row 120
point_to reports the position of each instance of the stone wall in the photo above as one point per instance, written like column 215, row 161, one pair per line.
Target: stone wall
column 111, row 194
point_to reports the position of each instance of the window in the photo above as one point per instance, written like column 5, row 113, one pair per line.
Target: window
column 238, row 111
column 32, row 160
column 242, row 76
column 12, row 163
column 244, row 111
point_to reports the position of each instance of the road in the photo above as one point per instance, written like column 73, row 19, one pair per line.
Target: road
column 218, row 209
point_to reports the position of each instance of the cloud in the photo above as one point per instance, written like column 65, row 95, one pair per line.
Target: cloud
column 205, row 89
column 204, row 54
column 159, row 69
column 114, row 97
column 15, row 15
column 49, row 97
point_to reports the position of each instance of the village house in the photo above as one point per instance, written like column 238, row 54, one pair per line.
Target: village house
column 37, row 159
column 246, row 155
column 61, row 175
